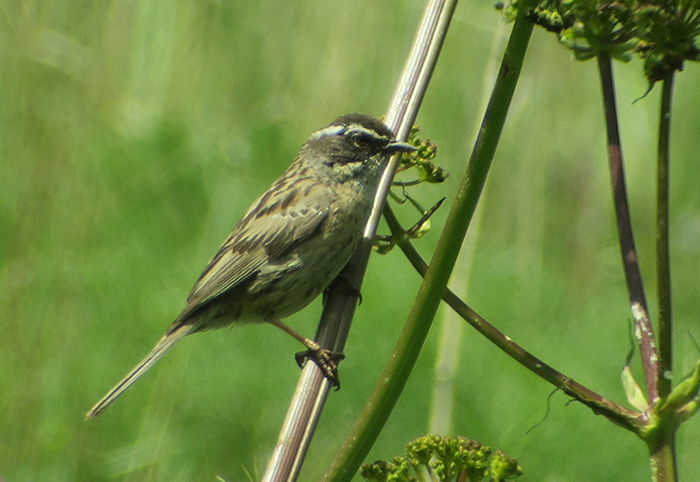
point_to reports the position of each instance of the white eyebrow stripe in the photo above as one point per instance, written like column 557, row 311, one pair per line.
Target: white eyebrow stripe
column 327, row 131
column 371, row 133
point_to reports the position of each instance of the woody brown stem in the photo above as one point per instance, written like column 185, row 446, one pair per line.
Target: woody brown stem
column 640, row 312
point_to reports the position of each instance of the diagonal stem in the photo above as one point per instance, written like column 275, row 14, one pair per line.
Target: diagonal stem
column 600, row 405
column 312, row 389
column 410, row 342
column 640, row 312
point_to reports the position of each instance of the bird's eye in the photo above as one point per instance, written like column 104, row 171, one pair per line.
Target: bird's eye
column 364, row 137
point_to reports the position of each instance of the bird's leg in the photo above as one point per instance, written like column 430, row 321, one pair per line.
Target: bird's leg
column 325, row 359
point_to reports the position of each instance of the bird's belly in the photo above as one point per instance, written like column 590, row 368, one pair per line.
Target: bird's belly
column 309, row 269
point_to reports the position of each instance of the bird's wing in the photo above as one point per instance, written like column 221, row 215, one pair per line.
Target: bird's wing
column 273, row 225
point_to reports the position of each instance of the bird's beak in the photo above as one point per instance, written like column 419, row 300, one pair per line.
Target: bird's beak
column 399, row 146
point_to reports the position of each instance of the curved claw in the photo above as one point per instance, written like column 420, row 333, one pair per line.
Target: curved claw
column 326, row 360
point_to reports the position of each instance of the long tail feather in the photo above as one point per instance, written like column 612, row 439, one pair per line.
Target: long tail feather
column 161, row 348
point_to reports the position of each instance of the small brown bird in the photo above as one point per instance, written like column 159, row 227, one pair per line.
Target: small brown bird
column 291, row 243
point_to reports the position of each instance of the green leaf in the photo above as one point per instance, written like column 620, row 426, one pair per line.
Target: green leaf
column 684, row 394
column 634, row 393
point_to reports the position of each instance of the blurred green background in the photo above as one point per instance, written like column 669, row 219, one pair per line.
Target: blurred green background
column 135, row 133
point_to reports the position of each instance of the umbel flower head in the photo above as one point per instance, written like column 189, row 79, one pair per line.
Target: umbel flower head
column 444, row 459
column 662, row 32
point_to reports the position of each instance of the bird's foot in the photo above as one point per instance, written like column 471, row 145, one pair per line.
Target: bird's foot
column 326, row 360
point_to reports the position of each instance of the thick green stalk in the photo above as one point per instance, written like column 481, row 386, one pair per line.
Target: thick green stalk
column 662, row 449
column 402, row 360
column 663, row 463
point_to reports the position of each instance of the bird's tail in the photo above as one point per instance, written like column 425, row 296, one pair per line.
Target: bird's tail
column 161, row 348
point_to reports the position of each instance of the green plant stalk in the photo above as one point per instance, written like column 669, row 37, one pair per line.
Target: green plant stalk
column 630, row 260
column 411, row 340
column 663, row 462
column 617, row 414
column 661, row 443
column 662, row 449
column 663, row 264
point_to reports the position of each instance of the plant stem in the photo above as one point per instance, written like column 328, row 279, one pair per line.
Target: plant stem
column 600, row 405
column 640, row 312
column 312, row 389
column 663, row 464
column 662, row 446
column 661, row 438
column 663, row 264
column 411, row 340
column 662, row 450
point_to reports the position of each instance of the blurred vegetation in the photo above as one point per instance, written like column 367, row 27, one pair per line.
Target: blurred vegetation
column 135, row 134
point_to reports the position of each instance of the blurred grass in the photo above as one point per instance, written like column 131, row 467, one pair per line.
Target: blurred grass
column 135, row 134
